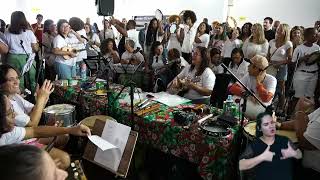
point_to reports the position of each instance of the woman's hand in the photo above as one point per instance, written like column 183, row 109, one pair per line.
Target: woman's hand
column 288, row 153
column 80, row 130
column 267, row 155
column 44, row 92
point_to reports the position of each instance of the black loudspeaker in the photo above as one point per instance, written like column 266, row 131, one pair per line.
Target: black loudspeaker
column 105, row 7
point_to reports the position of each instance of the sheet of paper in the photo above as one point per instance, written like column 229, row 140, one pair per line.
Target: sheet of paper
column 169, row 99
column 116, row 134
column 29, row 63
column 101, row 143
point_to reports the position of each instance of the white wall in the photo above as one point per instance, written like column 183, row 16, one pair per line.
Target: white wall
column 292, row 12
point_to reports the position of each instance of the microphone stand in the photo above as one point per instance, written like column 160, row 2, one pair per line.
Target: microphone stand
column 247, row 93
column 26, row 75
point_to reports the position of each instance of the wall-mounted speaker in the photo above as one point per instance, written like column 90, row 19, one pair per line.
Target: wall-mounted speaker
column 105, row 7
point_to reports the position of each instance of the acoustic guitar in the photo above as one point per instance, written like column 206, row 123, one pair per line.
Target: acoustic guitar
column 70, row 49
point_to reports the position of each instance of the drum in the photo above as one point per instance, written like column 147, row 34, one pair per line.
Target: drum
column 212, row 127
column 89, row 121
column 64, row 113
column 250, row 133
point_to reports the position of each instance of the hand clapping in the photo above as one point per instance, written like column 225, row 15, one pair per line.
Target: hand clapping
column 267, row 155
column 288, row 153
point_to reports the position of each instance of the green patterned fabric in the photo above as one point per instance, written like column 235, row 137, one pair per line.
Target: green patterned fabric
column 158, row 130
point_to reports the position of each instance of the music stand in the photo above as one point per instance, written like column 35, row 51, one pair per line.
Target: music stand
column 93, row 64
column 119, row 68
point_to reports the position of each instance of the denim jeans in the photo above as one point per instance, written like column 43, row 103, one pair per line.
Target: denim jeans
column 65, row 71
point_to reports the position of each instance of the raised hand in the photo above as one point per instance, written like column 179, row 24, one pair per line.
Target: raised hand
column 267, row 155
column 288, row 153
column 45, row 90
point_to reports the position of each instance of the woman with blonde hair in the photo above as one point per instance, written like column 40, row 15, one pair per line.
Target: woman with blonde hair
column 279, row 55
column 256, row 44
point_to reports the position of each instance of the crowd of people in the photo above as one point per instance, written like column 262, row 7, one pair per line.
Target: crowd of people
column 270, row 58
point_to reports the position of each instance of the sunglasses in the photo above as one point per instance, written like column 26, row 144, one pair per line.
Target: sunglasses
column 254, row 66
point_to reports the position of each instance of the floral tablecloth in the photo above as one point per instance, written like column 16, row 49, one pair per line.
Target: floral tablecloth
column 213, row 155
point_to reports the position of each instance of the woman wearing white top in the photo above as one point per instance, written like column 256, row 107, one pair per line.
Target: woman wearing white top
column 256, row 44
column 173, row 42
column 11, row 134
column 22, row 43
column 231, row 43
column 77, row 25
column 202, row 37
column 196, row 80
column 186, row 35
column 65, row 68
column 279, row 55
column 238, row 66
column 94, row 42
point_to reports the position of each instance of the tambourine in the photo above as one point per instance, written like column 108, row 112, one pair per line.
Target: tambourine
column 173, row 28
column 212, row 127
column 159, row 15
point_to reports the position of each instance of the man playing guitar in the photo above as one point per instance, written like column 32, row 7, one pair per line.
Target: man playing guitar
column 65, row 68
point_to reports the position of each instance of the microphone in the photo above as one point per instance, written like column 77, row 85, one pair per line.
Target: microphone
column 82, row 36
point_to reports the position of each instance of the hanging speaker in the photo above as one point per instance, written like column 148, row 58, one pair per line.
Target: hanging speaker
column 105, row 7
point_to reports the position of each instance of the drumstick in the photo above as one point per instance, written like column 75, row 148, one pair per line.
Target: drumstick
column 205, row 118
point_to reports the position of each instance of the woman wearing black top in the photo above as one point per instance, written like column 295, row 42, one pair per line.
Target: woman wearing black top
column 270, row 155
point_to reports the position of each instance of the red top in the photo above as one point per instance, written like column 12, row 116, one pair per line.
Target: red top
column 38, row 30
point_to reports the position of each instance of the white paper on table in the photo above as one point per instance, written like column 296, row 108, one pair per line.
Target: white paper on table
column 169, row 99
column 29, row 63
column 116, row 134
column 101, row 143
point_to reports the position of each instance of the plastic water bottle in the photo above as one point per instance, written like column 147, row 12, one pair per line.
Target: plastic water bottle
column 83, row 72
column 227, row 106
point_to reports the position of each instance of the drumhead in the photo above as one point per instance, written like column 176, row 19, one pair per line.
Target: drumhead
column 215, row 128
column 173, row 28
column 59, row 109
column 90, row 121
column 250, row 128
column 159, row 15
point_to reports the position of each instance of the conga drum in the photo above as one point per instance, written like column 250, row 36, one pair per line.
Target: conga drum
column 250, row 133
column 77, row 144
column 89, row 121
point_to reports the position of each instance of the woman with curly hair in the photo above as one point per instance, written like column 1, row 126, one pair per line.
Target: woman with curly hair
column 187, row 34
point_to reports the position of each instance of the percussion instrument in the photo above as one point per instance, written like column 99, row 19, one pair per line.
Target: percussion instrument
column 314, row 57
column 159, row 15
column 215, row 128
column 76, row 171
column 250, row 132
column 173, row 28
column 64, row 113
column 89, row 121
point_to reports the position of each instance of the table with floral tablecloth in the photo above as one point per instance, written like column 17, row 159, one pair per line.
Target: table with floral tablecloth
column 213, row 155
